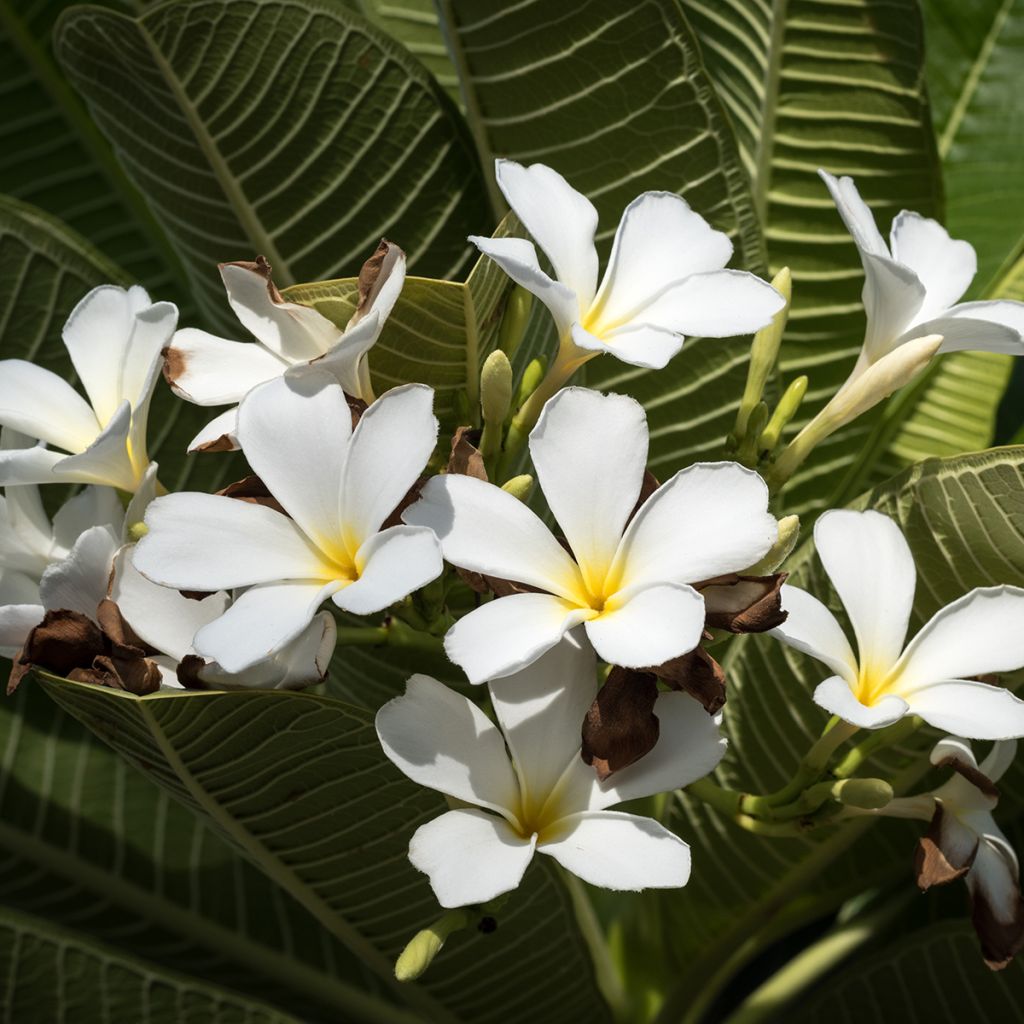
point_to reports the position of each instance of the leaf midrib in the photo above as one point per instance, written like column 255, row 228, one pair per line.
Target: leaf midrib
column 271, row 866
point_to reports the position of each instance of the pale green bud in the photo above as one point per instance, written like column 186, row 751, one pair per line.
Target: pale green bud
column 866, row 794
column 519, row 486
column 784, row 412
column 513, row 323
column 789, row 533
column 496, row 387
column 532, row 376
column 419, row 954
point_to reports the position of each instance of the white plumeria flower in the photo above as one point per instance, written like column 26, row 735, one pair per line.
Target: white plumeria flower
column 665, row 277
column 168, row 621
column 964, row 841
column 538, row 795
column 871, row 567
column 338, row 486
column 912, row 290
column 114, row 337
column 44, row 565
column 630, row 583
column 208, row 370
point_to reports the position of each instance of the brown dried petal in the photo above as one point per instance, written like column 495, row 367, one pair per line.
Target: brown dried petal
column 465, row 458
column 973, row 774
column 621, row 726
column 134, row 675
column 64, row 640
column 697, row 674
column 1000, row 940
column 124, row 641
column 411, row 497
column 262, row 267
column 356, row 407
column 188, row 672
column 374, row 274
column 939, row 858
column 744, row 604
column 224, row 443
column 253, row 490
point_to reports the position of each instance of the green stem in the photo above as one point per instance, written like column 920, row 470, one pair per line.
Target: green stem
column 395, row 633
column 879, row 739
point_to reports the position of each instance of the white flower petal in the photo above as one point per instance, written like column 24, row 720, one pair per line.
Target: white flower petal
column 386, row 268
column 561, row 220
column 38, row 403
column 999, row 311
column 509, row 633
column 892, row 297
column 294, row 433
column 518, row 258
column 945, row 266
column 220, row 433
column 994, row 878
column 869, row 562
column 636, row 344
column 260, row 622
column 836, row 697
column 391, row 565
column 969, row 708
column 16, row 622
column 619, row 851
column 107, row 459
column 162, row 616
column 856, row 214
column 590, row 453
column 719, row 304
column 976, row 634
column 209, row 542
column 92, row 506
column 709, row 519
column 207, row 370
column 999, row 759
column 470, row 856
column 29, row 466
column 18, row 588
column 389, row 450
column 811, row 628
column 484, row 529
column 79, row 581
column 659, row 242
column 441, row 740
column 346, row 361
column 689, row 746
column 541, row 711
column 295, row 333
column 144, row 495
column 961, row 333
column 648, row 625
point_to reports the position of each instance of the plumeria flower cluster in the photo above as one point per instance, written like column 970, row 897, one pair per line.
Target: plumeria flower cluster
column 587, row 614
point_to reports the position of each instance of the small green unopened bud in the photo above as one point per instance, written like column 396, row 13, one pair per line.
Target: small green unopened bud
column 866, row 794
column 419, row 954
column 519, row 486
column 137, row 531
column 532, row 376
column 749, row 453
column 513, row 323
column 496, row 387
column 784, row 412
column 764, row 351
column 789, row 533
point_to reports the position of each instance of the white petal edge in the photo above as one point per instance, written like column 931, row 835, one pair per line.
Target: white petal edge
column 836, row 697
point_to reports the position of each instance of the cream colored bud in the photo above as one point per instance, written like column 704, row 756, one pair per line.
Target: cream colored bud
column 866, row 794
column 519, row 486
column 419, row 953
column 789, row 534
column 513, row 323
column 496, row 387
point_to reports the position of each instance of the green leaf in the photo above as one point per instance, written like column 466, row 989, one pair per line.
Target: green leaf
column 299, row 784
column 814, row 84
column 414, row 23
column 54, row 974
column 974, row 80
column 54, row 157
column 616, row 99
column 964, row 521
column 45, row 268
column 438, row 333
column 931, row 976
column 89, row 843
column 290, row 128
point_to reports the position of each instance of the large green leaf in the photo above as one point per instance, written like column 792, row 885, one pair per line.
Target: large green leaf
column 45, row 268
column 933, row 976
column 291, row 128
column 964, row 521
column 974, row 80
column 52, row 155
column 615, row 98
column 55, row 974
column 87, row 842
column 810, row 84
column 299, row 784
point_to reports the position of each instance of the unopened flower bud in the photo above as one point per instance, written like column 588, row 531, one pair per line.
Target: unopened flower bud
column 496, row 387
column 532, row 376
column 513, row 323
column 866, row 794
column 519, row 486
column 787, row 408
column 789, row 533
column 419, row 953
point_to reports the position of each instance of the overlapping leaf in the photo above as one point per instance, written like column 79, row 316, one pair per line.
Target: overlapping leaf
column 814, row 84
column 616, row 99
column 291, row 128
column 54, row 974
column 964, row 520
column 299, row 784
